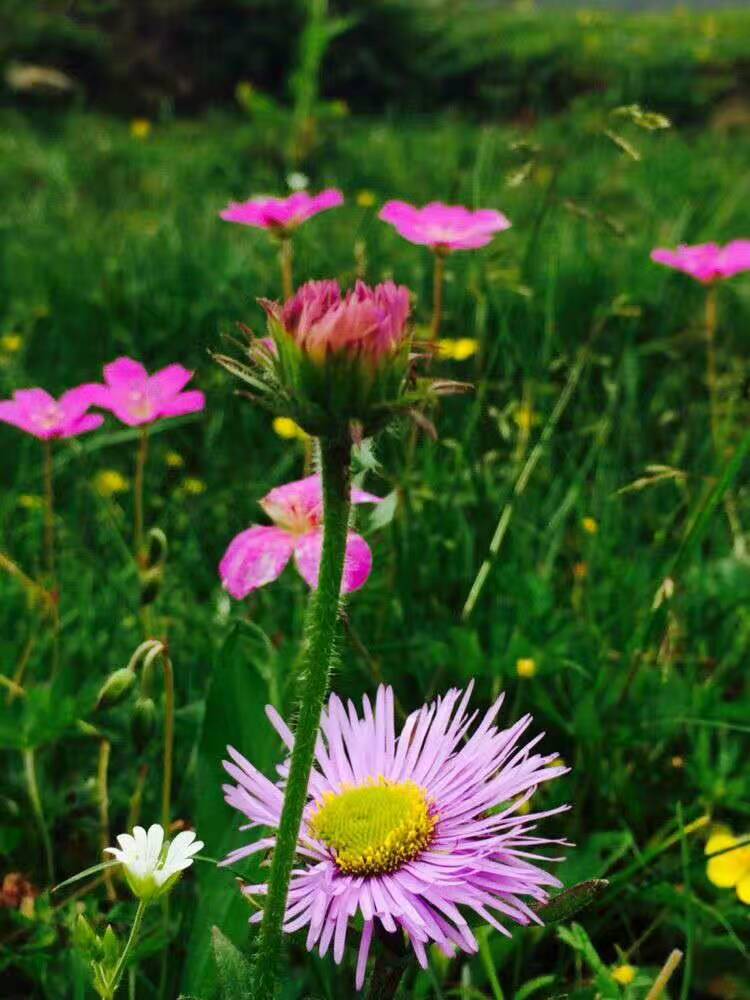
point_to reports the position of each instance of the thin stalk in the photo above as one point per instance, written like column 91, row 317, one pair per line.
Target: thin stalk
column 438, row 281
column 321, row 626
column 711, row 379
column 103, row 796
column 660, row 983
column 522, row 481
column 166, row 788
column 286, row 254
column 132, row 938
column 136, row 799
column 49, row 512
column 140, row 468
column 32, row 787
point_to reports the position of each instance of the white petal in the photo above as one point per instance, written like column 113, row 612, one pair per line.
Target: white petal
column 126, row 842
column 141, row 841
column 155, row 838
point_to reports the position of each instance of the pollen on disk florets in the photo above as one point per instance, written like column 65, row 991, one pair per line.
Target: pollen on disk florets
column 376, row 827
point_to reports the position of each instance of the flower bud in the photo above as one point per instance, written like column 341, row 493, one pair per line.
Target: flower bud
column 143, row 723
column 86, row 940
column 116, row 687
column 151, row 581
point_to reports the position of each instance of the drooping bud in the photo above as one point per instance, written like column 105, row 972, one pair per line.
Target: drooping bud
column 116, row 687
column 143, row 723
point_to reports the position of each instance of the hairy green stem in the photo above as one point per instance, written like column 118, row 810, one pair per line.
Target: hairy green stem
column 140, row 468
column 49, row 513
column 321, row 626
column 437, row 294
column 286, row 252
column 132, row 938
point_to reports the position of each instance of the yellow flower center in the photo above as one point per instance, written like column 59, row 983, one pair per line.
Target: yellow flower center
column 375, row 828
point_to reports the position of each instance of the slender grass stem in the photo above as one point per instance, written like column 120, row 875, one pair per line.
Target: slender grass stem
column 166, row 788
column 32, row 787
column 102, row 790
column 438, row 282
column 660, row 983
column 286, row 256
column 321, row 627
column 711, row 377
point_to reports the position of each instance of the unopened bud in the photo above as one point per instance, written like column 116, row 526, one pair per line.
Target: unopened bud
column 116, row 687
column 86, row 940
column 143, row 723
column 151, row 581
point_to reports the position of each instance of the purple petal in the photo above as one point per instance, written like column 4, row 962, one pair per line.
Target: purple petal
column 357, row 562
column 254, row 557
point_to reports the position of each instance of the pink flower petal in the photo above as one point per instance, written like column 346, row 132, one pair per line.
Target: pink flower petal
column 357, row 562
column 187, row 402
column 124, row 372
column 253, row 558
column 170, row 380
column 89, row 422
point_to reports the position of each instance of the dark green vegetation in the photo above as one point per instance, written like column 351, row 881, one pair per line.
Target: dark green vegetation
column 111, row 245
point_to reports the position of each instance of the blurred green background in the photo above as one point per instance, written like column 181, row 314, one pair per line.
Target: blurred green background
column 124, row 129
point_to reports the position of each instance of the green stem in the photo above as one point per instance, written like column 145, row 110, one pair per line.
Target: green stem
column 437, row 294
column 285, row 260
column 322, row 621
column 49, row 513
column 32, row 786
column 132, row 938
column 140, row 467
column 166, row 789
column 711, row 379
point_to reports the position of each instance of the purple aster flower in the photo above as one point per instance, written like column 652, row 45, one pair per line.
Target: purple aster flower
column 409, row 830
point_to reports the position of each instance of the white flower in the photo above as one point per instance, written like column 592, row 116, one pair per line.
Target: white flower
column 151, row 866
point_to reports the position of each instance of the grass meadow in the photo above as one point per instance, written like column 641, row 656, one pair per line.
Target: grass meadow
column 615, row 567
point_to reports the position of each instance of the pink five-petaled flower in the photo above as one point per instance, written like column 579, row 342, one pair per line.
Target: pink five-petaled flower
column 707, row 262
column 444, row 227
column 137, row 398
column 37, row 413
column 366, row 322
column 406, row 830
column 258, row 555
column 281, row 215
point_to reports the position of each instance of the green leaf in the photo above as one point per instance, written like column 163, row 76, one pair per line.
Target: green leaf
column 235, row 715
column 533, row 986
column 567, row 903
column 234, row 972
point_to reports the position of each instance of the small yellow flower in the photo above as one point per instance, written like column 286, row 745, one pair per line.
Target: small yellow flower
column 731, row 869
column 30, row 501
column 140, row 128
column 286, row 428
column 11, row 343
column 624, row 974
column 457, row 350
column 525, row 417
column 174, row 460
column 193, row 487
column 108, row 482
column 580, row 571
column 365, row 199
column 590, row 525
column 526, row 667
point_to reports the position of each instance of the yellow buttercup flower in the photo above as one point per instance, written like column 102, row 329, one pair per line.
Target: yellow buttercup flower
column 140, row 128
column 174, row 460
column 457, row 350
column 193, row 487
column 590, row 525
column 11, row 343
column 109, row 482
column 624, row 974
column 365, row 199
column 525, row 417
column 731, row 868
column 286, row 428
column 526, row 667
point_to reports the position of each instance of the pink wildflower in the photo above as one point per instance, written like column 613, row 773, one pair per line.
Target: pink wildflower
column 707, row 262
column 37, row 413
column 444, row 227
column 258, row 555
column 137, row 398
column 369, row 322
column 281, row 215
column 406, row 830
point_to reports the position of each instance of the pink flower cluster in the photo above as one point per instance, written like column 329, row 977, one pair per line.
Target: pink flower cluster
column 707, row 262
column 366, row 321
column 258, row 555
column 281, row 215
column 128, row 392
